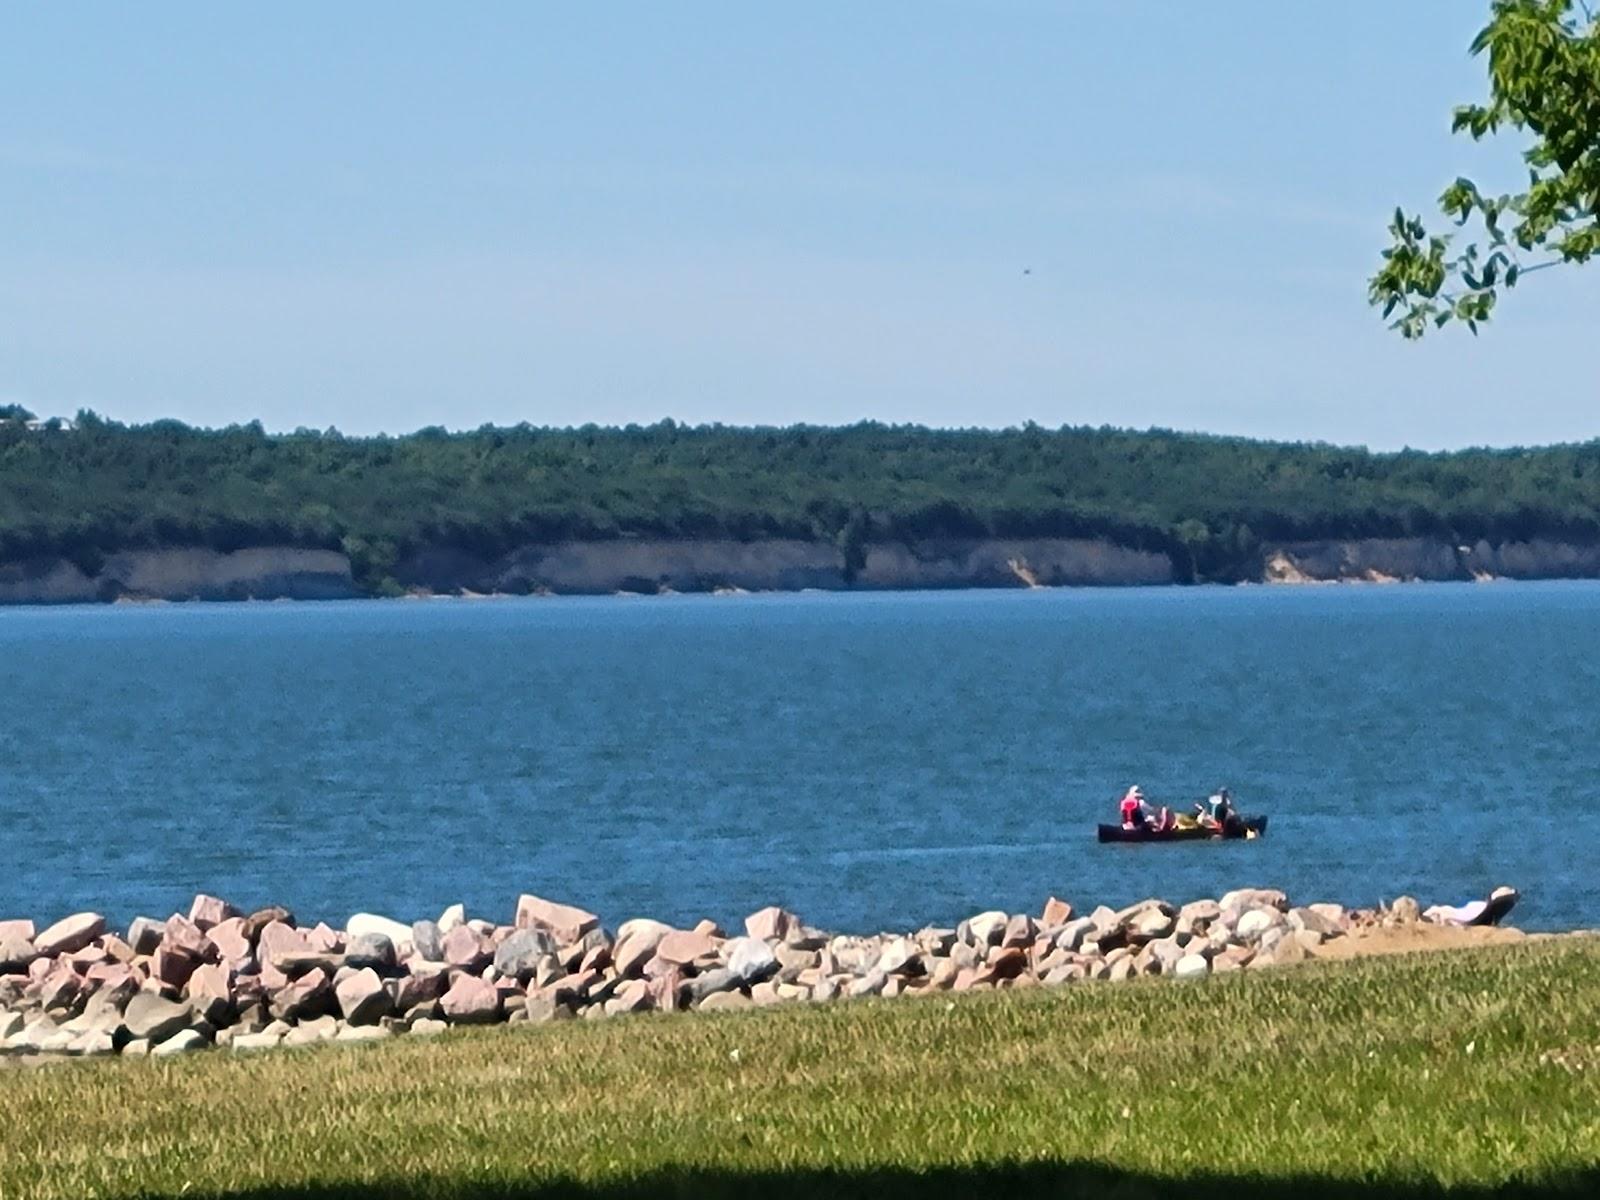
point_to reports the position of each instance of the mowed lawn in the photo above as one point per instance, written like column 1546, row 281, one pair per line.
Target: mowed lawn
column 1460, row 1073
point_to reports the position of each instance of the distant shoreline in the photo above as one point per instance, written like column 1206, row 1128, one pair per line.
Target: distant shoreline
column 657, row 566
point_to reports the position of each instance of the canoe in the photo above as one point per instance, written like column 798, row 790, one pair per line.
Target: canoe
column 1116, row 833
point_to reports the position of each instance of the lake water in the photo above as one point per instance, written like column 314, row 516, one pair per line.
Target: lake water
column 870, row 761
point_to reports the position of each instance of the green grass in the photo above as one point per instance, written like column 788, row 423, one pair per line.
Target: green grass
column 1460, row 1074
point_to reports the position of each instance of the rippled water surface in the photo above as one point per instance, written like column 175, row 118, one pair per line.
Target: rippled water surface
column 872, row 761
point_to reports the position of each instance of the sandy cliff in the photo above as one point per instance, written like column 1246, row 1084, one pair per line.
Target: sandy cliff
column 1431, row 559
column 779, row 564
column 258, row 573
column 653, row 565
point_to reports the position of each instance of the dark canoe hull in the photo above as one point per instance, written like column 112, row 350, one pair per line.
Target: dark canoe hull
column 1116, row 833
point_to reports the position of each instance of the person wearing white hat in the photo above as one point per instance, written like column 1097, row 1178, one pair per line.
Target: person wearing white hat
column 1135, row 815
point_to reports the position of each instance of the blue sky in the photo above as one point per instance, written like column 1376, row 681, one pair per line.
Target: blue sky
column 386, row 216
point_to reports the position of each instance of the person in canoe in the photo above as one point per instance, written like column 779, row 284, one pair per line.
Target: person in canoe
column 1136, row 813
column 1217, row 811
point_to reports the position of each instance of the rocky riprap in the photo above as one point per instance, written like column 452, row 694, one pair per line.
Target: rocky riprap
column 218, row 977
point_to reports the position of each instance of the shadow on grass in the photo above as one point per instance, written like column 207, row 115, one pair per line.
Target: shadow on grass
column 1004, row 1179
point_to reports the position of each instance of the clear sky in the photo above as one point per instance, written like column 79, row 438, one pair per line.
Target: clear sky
column 382, row 216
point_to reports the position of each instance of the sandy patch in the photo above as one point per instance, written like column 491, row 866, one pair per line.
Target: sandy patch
column 1412, row 939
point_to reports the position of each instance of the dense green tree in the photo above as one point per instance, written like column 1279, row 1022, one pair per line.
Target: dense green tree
column 1543, row 61
column 1210, row 502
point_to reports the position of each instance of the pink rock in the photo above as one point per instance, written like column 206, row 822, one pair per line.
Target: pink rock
column 60, row 989
column 144, row 935
column 183, row 936
column 361, row 996
column 471, row 1001
column 262, row 917
column 771, row 923
column 511, row 993
column 681, row 947
column 417, row 988
column 40, row 967
column 70, row 933
column 665, row 989
column 325, row 938
column 971, row 978
column 1019, row 931
column 633, row 952
column 464, row 948
column 277, row 938
column 208, row 993
column 565, row 922
column 112, row 984
column 103, row 973
column 86, row 957
column 309, row 996
column 709, row 928
column 17, row 929
column 172, row 968
column 248, row 990
column 272, row 978
column 231, row 944
column 597, row 959
column 116, row 949
column 207, row 911
column 1056, row 912
column 575, row 987
column 633, row 996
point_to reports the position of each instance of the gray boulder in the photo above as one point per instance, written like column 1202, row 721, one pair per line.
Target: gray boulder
column 518, row 956
column 541, row 1007
column 155, row 1018
column 427, row 939
column 1310, row 919
column 710, row 983
column 370, row 951
column 870, row 984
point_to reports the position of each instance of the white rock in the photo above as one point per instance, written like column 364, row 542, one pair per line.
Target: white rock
column 1255, row 898
column 427, row 1027
column 1191, row 965
column 362, row 1033
column 987, row 927
column 1256, row 922
column 181, row 1042
column 10, row 1023
column 455, row 915
column 93, row 1044
column 750, row 959
column 898, row 955
column 40, row 1034
column 265, row 1040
